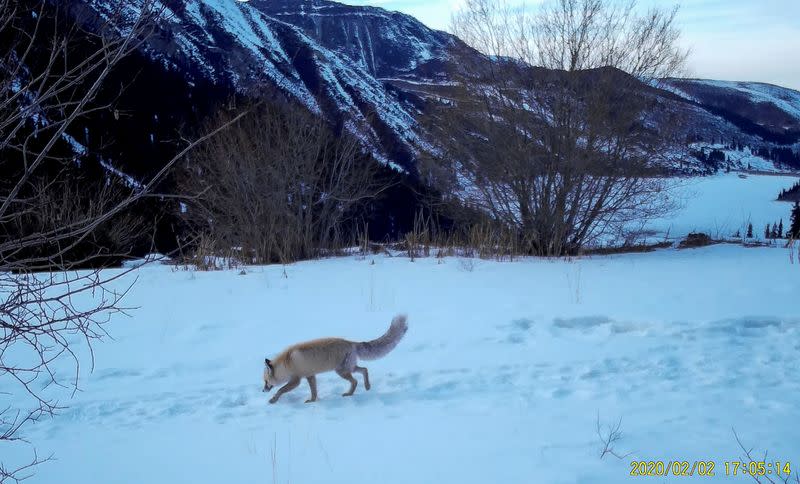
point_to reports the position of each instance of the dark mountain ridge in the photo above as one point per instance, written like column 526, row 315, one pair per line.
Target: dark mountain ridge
column 369, row 70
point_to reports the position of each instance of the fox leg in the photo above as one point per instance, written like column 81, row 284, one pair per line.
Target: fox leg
column 312, row 383
column 364, row 373
column 286, row 388
column 349, row 377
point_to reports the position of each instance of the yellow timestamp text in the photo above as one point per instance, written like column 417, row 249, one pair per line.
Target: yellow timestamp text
column 709, row 468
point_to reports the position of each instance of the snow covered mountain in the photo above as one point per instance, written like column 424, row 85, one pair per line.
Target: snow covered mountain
column 369, row 70
column 772, row 112
column 335, row 59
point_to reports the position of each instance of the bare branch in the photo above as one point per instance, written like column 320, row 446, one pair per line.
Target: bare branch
column 748, row 458
column 609, row 438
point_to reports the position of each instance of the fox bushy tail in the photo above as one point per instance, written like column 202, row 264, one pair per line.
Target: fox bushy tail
column 378, row 348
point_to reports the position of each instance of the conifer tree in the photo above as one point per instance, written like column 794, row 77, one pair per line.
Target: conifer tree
column 750, row 231
column 795, row 226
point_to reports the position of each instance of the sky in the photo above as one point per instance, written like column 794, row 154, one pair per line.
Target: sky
column 734, row 40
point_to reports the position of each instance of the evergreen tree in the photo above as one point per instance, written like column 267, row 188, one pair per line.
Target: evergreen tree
column 780, row 230
column 795, row 227
column 750, row 231
column 774, row 233
column 766, row 232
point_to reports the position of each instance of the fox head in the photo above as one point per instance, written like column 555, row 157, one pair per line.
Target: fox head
column 269, row 373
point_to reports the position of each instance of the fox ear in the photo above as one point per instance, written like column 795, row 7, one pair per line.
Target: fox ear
column 268, row 363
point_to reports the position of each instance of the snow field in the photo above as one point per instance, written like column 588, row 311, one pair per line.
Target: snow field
column 500, row 378
column 722, row 204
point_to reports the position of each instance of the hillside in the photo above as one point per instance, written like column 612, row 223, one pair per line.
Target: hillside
column 330, row 57
column 370, row 71
column 771, row 112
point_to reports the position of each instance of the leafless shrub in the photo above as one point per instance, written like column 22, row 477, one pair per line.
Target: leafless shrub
column 561, row 156
column 208, row 256
column 280, row 185
column 610, row 437
column 364, row 245
column 489, row 240
column 418, row 241
column 482, row 239
column 627, row 249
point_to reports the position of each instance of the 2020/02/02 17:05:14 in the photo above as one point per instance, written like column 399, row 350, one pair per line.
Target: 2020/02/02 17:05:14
column 710, row 468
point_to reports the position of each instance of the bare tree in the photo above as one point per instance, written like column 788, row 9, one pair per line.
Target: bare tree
column 610, row 438
column 52, row 67
column 760, row 468
column 278, row 186
column 569, row 152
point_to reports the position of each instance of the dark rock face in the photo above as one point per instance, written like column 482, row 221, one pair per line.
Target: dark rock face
column 385, row 44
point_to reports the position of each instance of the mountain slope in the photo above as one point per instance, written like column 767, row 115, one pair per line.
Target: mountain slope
column 369, row 71
column 279, row 43
column 772, row 112
column 385, row 44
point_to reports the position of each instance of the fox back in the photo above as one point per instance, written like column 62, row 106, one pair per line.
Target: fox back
column 315, row 356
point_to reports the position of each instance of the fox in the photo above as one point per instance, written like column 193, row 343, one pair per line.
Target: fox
column 310, row 358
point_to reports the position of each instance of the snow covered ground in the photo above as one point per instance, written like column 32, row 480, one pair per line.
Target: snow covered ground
column 501, row 377
column 722, row 204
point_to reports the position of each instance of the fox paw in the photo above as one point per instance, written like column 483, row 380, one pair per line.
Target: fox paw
column 347, row 394
column 367, row 386
column 273, row 400
column 311, row 400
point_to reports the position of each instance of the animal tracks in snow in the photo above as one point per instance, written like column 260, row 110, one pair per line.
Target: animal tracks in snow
column 645, row 358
